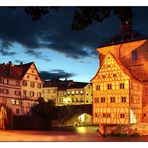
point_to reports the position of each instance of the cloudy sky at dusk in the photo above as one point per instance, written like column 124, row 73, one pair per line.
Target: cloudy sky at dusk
column 55, row 48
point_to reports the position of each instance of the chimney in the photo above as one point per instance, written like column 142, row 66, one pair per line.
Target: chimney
column 21, row 63
column 10, row 64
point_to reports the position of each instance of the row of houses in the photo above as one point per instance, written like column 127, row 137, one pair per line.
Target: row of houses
column 21, row 86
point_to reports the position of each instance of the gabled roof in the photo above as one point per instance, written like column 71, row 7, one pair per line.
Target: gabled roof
column 129, row 72
column 10, row 70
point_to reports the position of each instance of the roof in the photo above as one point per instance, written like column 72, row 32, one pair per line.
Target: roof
column 129, row 72
column 77, row 85
column 10, row 70
column 62, row 85
column 125, row 37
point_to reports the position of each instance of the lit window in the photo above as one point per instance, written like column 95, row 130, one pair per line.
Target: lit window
column 121, row 85
column 13, row 101
column 123, row 99
column 109, row 86
column 134, row 55
column 5, row 81
column 97, row 87
column 38, row 94
column 102, row 99
column 122, row 115
column 112, row 99
column 77, row 92
column 17, row 102
column 86, row 92
column 68, row 92
column 72, row 92
column 96, row 100
column 81, row 92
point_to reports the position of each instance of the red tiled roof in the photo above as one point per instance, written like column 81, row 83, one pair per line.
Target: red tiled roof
column 14, row 71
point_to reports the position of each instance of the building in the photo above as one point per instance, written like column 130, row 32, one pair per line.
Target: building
column 79, row 93
column 20, row 86
column 120, row 91
column 67, row 92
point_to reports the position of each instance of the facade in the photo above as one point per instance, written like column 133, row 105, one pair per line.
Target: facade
column 120, row 91
column 67, row 92
column 20, row 86
column 79, row 93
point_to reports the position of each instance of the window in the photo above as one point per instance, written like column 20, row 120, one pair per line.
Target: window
column 28, row 76
column 48, row 90
column 103, row 76
column 106, row 115
column 36, row 78
column 109, row 86
column 24, row 83
column 17, row 83
column 68, row 93
column 81, row 92
column 144, row 114
column 114, row 75
column 17, row 93
column 108, row 66
column 77, row 92
column 122, row 115
column 38, row 94
column 17, row 102
column 13, row 101
column 38, row 85
column 5, row 91
column 72, row 92
column 112, row 99
column 1, row 80
column 121, row 85
column 32, row 71
column 134, row 55
column 31, row 93
column 72, row 100
column 0, row 90
column 123, row 99
column 97, row 87
column 86, row 92
column 102, row 99
column 17, row 111
column 54, row 90
column 32, row 84
column 96, row 100
column 24, row 93
column 5, row 81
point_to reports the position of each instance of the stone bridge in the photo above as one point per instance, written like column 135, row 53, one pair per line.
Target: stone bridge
column 67, row 115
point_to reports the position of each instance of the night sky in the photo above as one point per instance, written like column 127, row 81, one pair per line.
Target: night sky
column 55, row 48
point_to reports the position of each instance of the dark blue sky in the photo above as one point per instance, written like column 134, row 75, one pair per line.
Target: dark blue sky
column 50, row 42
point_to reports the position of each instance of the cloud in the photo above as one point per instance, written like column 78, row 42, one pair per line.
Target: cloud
column 56, row 73
column 53, row 32
column 6, row 53
column 38, row 55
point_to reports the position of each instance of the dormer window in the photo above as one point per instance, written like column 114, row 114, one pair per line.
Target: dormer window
column 134, row 55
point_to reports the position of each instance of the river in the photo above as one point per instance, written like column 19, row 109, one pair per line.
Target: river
column 77, row 134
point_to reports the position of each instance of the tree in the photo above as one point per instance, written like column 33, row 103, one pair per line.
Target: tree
column 84, row 16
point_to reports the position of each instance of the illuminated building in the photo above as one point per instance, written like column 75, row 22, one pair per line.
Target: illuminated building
column 20, row 86
column 120, row 87
column 79, row 93
column 67, row 92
